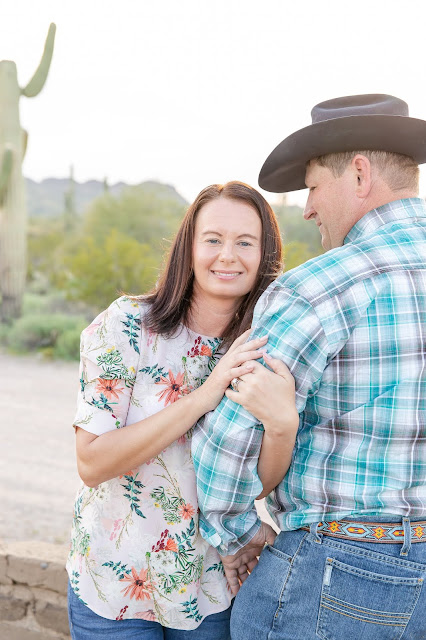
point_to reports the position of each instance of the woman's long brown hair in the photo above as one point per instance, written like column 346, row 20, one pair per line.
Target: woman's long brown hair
column 170, row 301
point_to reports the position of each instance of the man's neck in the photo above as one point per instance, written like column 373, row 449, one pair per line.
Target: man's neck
column 385, row 197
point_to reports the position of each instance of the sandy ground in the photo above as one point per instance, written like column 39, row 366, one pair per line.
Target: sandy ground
column 38, row 476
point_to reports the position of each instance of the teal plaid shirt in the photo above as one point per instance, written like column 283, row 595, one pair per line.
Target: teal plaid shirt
column 351, row 326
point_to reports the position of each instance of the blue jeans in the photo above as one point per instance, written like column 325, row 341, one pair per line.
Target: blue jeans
column 309, row 586
column 87, row 625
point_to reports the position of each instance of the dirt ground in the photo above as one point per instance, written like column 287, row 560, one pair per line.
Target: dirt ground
column 38, row 476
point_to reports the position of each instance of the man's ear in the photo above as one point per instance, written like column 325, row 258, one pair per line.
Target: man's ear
column 362, row 172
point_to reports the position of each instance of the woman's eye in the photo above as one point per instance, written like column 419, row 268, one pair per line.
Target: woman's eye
column 212, row 240
column 243, row 243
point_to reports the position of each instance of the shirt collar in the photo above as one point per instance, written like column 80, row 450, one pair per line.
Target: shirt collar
column 376, row 218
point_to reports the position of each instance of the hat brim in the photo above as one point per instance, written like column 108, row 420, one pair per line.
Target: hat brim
column 284, row 169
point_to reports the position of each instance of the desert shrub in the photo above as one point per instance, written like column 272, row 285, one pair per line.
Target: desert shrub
column 67, row 346
column 55, row 302
column 40, row 331
column 98, row 272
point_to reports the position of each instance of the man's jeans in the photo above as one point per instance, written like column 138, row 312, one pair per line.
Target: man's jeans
column 309, row 586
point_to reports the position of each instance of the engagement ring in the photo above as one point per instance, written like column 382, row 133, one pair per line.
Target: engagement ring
column 234, row 383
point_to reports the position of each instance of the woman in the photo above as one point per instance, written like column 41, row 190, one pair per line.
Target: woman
column 137, row 563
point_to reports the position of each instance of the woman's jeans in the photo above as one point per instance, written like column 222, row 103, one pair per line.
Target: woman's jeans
column 309, row 586
column 87, row 625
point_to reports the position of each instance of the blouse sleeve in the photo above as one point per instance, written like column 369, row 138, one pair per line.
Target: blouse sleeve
column 110, row 350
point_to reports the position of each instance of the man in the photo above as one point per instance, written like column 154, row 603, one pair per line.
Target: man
column 351, row 326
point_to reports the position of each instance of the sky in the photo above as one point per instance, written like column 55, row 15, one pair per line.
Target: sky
column 193, row 92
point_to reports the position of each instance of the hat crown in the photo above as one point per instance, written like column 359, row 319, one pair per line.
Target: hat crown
column 362, row 105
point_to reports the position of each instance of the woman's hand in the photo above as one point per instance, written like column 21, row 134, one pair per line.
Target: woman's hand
column 269, row 395
column 237, row 361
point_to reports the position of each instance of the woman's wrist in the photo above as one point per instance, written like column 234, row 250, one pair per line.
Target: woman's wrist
column 285, row 426
column 202, row 400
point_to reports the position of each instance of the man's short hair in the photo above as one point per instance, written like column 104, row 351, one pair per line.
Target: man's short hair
column 397, row 170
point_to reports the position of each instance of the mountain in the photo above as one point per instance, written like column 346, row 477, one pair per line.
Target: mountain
column 47, row 198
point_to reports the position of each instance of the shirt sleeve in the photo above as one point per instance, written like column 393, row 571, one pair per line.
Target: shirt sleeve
column 110, row 349
column 226, row 443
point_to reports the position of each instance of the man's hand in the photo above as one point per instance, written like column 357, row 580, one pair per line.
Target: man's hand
column 238, row 566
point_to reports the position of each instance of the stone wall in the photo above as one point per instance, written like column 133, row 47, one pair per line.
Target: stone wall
column 33, row 587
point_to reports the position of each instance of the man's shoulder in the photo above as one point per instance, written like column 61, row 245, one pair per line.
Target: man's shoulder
column 323, row 274
column 395, row 246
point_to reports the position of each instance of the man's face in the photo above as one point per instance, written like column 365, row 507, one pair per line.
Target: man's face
column 331, row 202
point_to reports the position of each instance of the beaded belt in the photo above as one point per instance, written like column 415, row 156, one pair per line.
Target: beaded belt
column 389, row 532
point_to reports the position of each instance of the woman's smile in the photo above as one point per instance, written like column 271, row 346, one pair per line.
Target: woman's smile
column 226, row 275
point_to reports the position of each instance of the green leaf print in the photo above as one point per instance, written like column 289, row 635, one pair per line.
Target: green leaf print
column 216, row 567
column 102, row 403
column 186, row 539
column 74, row 580
column 188, row 568
column 134, row 487
column 169, row 505
column 155, row 372
column 119, row 569
column 133, row 324
column 111, row 362
column 191, row 609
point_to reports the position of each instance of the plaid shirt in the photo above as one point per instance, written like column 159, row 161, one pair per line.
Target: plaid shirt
column 351, row 326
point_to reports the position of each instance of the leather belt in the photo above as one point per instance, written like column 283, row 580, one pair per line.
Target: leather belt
column 387, row 532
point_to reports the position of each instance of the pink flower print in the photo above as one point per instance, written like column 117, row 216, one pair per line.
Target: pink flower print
column 186, row 511
column 109, row 388
column 171, row 545
column 90, row 330
column 128, row 473
column 174, row 388
column 146, row 615
column 117, row 525
column 139, row 587
column 150, row 338
column 205, row 350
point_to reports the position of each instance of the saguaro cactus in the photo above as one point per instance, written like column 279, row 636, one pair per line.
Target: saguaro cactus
column 69, row 202
column 13, row 212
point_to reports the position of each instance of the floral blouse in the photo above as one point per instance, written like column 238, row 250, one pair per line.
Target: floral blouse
column 136, row 551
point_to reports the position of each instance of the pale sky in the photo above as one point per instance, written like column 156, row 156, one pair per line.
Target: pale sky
column 192, row 92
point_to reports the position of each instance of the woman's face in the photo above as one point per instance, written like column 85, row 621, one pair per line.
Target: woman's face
column 227, row 249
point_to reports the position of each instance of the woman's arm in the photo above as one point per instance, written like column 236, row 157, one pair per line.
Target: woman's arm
column 270, row 397
column 100, row 458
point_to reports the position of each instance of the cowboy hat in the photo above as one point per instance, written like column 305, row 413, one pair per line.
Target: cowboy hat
column 375, row 122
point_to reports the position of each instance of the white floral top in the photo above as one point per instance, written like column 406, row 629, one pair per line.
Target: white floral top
column 136, row 551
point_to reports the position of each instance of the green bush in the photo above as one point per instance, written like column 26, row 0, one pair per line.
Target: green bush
column 67, row 346
column 40, row 331
column 55, row 302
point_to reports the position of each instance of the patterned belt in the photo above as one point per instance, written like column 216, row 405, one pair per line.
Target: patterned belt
column 389, row 532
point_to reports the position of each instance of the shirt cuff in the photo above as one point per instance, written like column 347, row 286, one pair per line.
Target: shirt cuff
column 231, row 548
column 94, row 420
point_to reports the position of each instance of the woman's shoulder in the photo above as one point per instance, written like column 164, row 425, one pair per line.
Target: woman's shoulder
column 118, row 327
column 124, row 306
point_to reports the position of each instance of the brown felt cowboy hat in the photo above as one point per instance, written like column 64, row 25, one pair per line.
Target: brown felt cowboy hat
column 374, row 122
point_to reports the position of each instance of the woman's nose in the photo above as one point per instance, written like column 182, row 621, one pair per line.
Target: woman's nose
column 227, row 253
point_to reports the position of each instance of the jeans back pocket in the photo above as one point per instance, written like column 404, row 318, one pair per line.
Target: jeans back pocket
column 361, row 604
